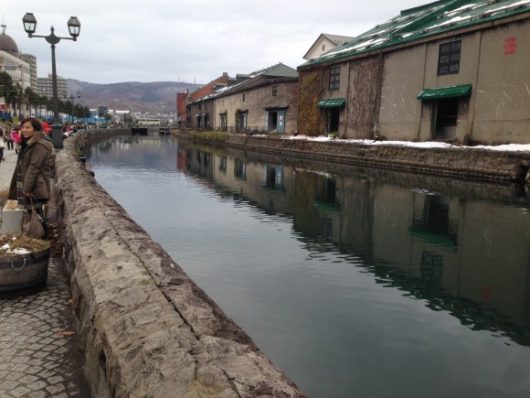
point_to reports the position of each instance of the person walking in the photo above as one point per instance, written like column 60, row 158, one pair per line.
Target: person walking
column 31, row 179
column 2, row 145
column 7, row 139
column 15, row 137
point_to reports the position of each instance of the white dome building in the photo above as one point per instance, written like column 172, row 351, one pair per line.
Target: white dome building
column 10, row 61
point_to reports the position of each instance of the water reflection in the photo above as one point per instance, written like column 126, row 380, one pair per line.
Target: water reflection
column 463, row 254
column 148, row 152
column 357, row 282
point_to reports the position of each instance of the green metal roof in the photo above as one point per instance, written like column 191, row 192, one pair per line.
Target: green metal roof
column 332, row 102
column 425, row 21
column 462, row 90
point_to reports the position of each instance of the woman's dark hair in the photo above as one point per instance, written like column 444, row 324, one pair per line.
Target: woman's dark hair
column 37, row 126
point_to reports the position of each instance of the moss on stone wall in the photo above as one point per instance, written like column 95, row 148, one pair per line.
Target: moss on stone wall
column 363, row 98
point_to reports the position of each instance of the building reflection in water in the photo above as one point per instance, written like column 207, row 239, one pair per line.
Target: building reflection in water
column 439, row 247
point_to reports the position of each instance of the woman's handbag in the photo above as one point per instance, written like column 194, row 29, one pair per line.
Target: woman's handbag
column 32, row 222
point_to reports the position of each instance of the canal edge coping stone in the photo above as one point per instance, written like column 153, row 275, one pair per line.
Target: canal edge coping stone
column 466, row 163
column 146, row 329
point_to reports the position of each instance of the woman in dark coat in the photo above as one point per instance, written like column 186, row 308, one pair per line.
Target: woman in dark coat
column 33, row 170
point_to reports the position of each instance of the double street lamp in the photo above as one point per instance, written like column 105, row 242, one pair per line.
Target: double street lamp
column 74, row 28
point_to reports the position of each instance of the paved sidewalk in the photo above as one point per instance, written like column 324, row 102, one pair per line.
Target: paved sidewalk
column 38, row 354
column 7, row 167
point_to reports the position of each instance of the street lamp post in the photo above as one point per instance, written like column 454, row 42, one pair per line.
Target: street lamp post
column 74, row 28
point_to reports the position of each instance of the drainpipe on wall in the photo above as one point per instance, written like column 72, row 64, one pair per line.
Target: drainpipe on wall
column 418, row 136
column 379, row 94
column 472, row 103
column 346, row 107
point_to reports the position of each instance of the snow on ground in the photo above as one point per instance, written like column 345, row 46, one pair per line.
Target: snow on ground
column 505, row 147
column 426, row 144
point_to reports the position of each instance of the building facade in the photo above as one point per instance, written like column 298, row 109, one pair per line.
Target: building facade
column 18, row 69
column 324, row 43
column 264, row 101
column 451, row 70
column 195, row 113
column 181, row 109
column 45, row 86
column 267, row 106
column 32, row 61
column 199, row 113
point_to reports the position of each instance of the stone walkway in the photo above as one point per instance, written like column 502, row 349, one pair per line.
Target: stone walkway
column 38, row 354
column 6, row 169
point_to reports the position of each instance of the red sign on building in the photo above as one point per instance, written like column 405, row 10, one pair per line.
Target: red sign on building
column 510, row 45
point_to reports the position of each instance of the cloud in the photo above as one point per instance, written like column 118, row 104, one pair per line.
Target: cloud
column 196, row 41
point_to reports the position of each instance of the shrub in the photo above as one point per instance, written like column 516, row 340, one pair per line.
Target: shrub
column 210, row 135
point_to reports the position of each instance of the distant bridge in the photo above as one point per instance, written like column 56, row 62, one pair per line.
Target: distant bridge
column 148, row 122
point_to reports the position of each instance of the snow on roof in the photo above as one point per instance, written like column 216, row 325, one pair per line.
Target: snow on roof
column 420, row 22
column 460, row 9
column 507, row 7
column 451, row 21
column 358, row 46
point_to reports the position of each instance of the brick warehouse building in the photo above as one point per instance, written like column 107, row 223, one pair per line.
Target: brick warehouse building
column 191, row 117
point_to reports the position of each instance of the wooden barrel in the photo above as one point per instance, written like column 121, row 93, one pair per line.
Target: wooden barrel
column 18, row 272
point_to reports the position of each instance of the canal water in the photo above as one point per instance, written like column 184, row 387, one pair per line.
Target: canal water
column 356, row 282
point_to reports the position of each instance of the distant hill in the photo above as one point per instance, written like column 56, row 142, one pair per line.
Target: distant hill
column 154, row 97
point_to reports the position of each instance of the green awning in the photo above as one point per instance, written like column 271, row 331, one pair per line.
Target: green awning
column 434, row 238
column 327, row 206
column 332, row 102
column 463, row 90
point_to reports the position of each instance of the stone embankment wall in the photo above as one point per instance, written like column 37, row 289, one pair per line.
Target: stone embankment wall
column 146, row 329
column 463, row 163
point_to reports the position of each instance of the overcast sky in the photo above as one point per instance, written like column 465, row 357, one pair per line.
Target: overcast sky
column 190, row 41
